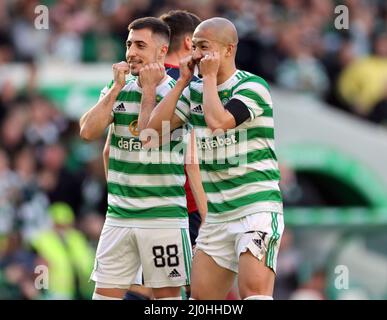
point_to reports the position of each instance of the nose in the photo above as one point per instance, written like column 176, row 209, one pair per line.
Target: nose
column 196, row 55
column 130, row 52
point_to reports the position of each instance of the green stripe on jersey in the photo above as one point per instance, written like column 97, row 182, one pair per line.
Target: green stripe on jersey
column 251, row 78
column 250, row 177
column 197, row 120
column 148, row 213
column 129, row 96
column 237, row 161
column 148, row 169
column 133, row 96
column 124, row 119
column 252, row 95
column 219, row 208
column 143, row 192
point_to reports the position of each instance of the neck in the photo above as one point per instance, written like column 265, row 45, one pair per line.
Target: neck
column 174, row 58
column 225, row 73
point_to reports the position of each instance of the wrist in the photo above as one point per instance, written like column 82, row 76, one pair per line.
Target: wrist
column 182, row 83
column 209, row 78
column 149, row 89
column 116, row 89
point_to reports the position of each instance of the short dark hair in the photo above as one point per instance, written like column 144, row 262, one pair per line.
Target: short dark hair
column 157, row 26
column 181, row 23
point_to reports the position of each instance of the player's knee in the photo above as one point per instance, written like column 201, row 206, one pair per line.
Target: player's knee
column 251, row 287
column 252, row 291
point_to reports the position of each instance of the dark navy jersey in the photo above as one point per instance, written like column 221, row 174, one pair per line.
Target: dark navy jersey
column 174, row 72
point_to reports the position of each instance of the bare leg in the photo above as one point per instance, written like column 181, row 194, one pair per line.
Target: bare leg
column 209, row 280
column 254, row 278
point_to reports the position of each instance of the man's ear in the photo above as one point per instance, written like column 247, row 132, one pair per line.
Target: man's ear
column 163, row 51
column 230, row 49
column 187, row 43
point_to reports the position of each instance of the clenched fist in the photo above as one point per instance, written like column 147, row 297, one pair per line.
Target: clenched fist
column 151, row 74
column 120, row 70
column 209, row 64
column 187, row 67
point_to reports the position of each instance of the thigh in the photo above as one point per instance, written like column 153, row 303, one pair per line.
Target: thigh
column 209, row 280
column 258, row 248
column 166, row 256
column 117, row 260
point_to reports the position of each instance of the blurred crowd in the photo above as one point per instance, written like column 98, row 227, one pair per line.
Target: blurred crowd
column 52, row 185
column 297, row 44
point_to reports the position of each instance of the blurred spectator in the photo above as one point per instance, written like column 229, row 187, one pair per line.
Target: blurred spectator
column 30, row 43
column 8, row 195
column 56, row 180
column 300, row 71
column 91, row 224
column 334, row 63
column 288, row 265
column 363, row 83
column 94, row 191
column 12, row 130
column 17, row 267
column 379, row 112
column 69, row 256
column 313, row 288
column 9, row 186
column 42, row 128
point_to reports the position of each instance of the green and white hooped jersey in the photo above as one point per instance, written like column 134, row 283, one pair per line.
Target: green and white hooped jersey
column 145, row 188
column 239, row 167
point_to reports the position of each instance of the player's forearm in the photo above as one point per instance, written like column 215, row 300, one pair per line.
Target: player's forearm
column 148, row 102
column 215, row 115
column 106, row 151
column 195, row 182
column 165, row 110
column 94, row 122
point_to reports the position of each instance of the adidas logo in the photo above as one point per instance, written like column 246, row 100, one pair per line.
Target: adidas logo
column 120, row 107
column 197, row 109
column 174, row 274
column 258, row 242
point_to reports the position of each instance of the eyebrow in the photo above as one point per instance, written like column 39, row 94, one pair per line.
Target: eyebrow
column 136, row 41
column 200, row 42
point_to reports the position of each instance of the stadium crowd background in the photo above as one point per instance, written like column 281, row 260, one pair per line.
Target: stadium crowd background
column 52, row 185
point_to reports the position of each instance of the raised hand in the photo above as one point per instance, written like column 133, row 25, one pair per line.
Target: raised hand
column 120, row 70
column 151, row 74
column 187, row 67
column 209, row 64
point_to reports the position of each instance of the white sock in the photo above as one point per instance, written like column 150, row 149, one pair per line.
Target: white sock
column 259, row 297
column 97, row 296
column 170, row 298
